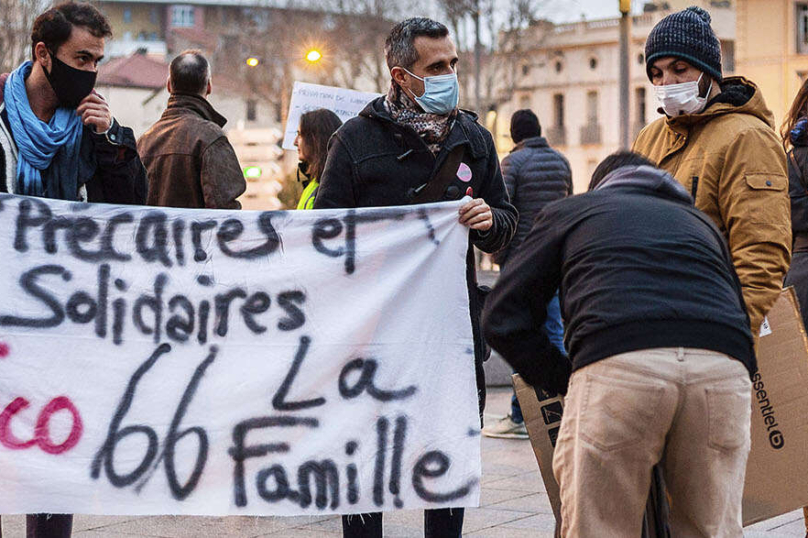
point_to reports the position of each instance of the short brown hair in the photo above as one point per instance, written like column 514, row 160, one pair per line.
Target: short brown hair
column 54, row 26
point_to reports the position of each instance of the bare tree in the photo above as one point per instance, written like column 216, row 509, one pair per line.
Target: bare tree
column 493, row 46
column 349, row 34
column 16, row 19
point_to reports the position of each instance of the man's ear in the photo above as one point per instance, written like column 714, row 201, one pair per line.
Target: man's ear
column 399, row 75
column 168, row 85
column 210, row 88
column 41, row 55
column 705, row 84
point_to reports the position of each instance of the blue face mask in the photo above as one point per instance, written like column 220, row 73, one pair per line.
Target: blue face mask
column 441, row 93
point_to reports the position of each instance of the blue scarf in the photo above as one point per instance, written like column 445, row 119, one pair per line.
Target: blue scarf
column 48, row 160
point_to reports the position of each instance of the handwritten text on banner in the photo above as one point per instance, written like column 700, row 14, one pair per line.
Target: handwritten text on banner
column 173, row 361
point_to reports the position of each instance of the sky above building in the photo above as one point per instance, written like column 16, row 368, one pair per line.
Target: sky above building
column 575, row 10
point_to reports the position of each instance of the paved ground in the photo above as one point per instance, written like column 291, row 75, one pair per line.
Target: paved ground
column 513, row 505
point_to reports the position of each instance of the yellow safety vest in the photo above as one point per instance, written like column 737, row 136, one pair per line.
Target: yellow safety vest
column 307, row 198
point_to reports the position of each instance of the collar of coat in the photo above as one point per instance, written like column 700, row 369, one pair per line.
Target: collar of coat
column 754, row 105
column 179, row 102
column 465, row 129
column 532, row 142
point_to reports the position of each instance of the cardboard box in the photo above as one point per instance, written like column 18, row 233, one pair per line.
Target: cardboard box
column 542, row 412
column 777, row 470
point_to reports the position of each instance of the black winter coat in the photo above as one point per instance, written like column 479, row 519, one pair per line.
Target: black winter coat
column 535, row 175
column 798, row 187
column 374, row 161
column 109, row 164
column 637, row 267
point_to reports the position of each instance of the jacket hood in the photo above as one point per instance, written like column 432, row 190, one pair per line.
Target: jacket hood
column 738, row 95
column 196, row 104
column 647, row 178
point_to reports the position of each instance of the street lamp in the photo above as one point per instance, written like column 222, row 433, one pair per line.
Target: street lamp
column 252, row 61
column 625, row 31
column 313, row 56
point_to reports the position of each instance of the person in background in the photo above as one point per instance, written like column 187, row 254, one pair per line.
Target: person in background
column 189, row 160
column 535, row 174
column 794, row 132
column 316, row 128
column 717, row 139
column 58, row 138
column 660, row 352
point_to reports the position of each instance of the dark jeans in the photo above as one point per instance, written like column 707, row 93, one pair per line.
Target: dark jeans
column 441, row 523
column 47, row 526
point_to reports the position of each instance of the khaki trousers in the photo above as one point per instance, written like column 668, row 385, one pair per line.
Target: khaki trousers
column 689, row 409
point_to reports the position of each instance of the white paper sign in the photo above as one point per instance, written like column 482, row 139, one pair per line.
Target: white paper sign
column 175, row 361
column 343, row 102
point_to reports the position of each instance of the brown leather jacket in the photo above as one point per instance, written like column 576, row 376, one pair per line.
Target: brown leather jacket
column 188, row 159
column 730, row 159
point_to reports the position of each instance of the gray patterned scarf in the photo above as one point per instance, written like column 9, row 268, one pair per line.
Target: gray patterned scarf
column 432, row 128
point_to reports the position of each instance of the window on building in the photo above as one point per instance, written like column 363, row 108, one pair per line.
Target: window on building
column 802, row 27
column 558, row 110
column 559, row 66
column 525, row 69
column 592, row 107
column 593, row 63
column 524, row 102
column 639, row 95
column 127, row 16
column 182, row 16
column 252, row 110
column 154, row 15
column 641, row 58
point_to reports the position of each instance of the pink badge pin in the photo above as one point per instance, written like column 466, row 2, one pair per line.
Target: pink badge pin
column 464, row 173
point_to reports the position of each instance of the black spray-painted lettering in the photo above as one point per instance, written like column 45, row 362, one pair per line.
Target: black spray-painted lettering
column 435, row 464
column 279, row 400
column 365, row 383
column 105, row 456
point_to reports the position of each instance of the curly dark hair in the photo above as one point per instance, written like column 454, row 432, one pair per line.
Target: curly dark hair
column 54, row 26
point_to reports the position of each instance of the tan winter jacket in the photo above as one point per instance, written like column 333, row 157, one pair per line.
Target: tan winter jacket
column 730, row 159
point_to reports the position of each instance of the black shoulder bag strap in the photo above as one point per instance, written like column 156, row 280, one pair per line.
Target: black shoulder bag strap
column 433, row 190
column 798, row 168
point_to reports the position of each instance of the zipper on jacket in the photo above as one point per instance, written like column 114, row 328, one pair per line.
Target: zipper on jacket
column 694, row 187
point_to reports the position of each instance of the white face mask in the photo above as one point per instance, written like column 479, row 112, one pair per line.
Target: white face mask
column 678, row 99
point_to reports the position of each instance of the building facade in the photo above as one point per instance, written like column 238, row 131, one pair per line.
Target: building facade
column 772, row 49
column 568, row 75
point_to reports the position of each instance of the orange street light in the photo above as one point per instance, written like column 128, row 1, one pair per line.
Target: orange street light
column 313, row 56
column 252, row 61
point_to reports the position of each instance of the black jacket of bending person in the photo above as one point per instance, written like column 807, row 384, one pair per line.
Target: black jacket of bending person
column 637, row 266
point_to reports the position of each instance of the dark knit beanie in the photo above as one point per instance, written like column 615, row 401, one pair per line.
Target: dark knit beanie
column 524, row 124
column 687, row 35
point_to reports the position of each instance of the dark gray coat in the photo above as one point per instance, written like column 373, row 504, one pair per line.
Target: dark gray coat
column 535, row 175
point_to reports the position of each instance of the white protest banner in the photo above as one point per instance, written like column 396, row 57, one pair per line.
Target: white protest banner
column 177, row 361
column 343, row 102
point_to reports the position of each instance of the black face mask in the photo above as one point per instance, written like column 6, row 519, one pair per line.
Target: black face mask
column 71, row 85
